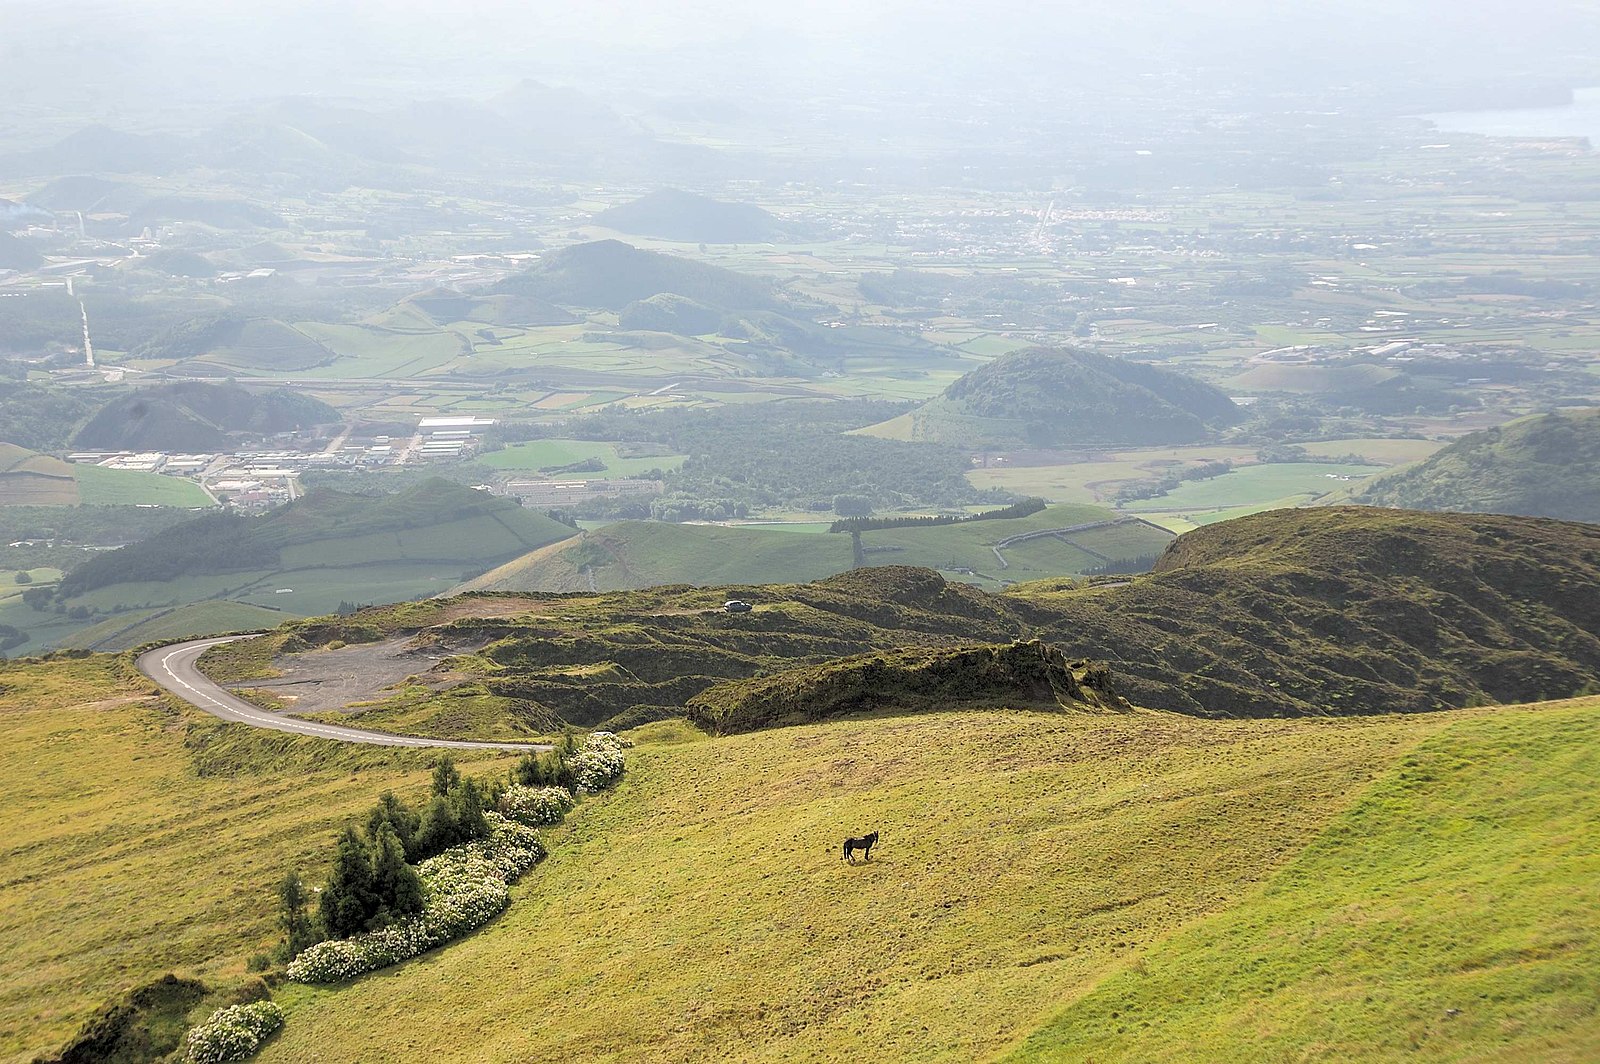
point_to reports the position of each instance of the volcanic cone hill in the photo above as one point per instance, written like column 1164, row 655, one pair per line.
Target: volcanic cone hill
column 1045, row 397
column 1547, row 465
column 609, row 275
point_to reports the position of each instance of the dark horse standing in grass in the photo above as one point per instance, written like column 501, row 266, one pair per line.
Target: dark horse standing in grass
column 865, row 844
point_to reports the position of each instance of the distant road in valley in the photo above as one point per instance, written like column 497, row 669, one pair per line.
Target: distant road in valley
column 175, row 668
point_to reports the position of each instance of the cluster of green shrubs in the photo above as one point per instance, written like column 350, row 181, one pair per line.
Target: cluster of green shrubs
column 373, row 884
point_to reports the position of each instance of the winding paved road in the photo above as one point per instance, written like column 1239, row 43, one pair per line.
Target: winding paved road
column 174, row 667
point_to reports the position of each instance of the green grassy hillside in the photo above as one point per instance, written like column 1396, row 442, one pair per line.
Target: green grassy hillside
column 703, row 912
column 28, row 478
column 1450, row 915
column 1547, row 465
column 138, row 628
column 1066, row 398
column 634, row 554
column 143, row 838
column 223, row 572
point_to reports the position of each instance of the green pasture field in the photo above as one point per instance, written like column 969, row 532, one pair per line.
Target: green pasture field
column 1449, row 915
column 544, row 454
column 100, row 486
column 1171, row 888
column 1265, row 486
column 140, row 627
column 1094, row 478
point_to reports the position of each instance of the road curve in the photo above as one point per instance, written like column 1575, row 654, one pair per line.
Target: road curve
column 174, row 668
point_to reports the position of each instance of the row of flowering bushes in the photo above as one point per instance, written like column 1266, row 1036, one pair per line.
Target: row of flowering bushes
column 466, row 887
column 536, row 806
column 598, row 763
column 233, row 1033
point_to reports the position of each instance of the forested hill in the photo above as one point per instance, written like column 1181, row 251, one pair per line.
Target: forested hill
column 1046, row 397
column 196, row 416
column 609, row 274
column 1547, row 465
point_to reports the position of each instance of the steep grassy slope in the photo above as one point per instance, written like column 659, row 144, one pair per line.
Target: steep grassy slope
column 1067, row 398
column 141, row 838
column 702, row 912
column 302, row 559
column 1450, row 915
column 436, row 521
column 28, row 478
column 634, row 554
column 1547, row 465
column 141, row 627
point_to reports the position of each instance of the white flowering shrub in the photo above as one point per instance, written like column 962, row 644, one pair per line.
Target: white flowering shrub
column 466, row 887
column 598, row 762
column 233, row 1033
column 536, row 806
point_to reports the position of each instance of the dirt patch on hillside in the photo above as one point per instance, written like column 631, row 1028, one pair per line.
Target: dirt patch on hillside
column 315, row 681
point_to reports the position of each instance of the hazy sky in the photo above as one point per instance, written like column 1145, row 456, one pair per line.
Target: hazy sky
column 192, row 51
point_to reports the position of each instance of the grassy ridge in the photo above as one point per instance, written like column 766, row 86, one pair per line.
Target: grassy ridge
column 635, row 554
column 1450, row 915
column 141, row 838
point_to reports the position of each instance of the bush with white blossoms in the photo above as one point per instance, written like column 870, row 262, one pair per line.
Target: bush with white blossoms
column 598, row 762
column 466, row 887
column 536, row 806
column 233, row 1033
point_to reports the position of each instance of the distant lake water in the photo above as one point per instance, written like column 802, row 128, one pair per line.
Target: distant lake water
column 1580, row 118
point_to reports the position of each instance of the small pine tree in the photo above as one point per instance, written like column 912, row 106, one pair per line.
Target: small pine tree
column 299, row 928
column 445, row 777
column 348, row 899
column 438, row 830
column 395, row 814
column 466, row 803
column 396, row 884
